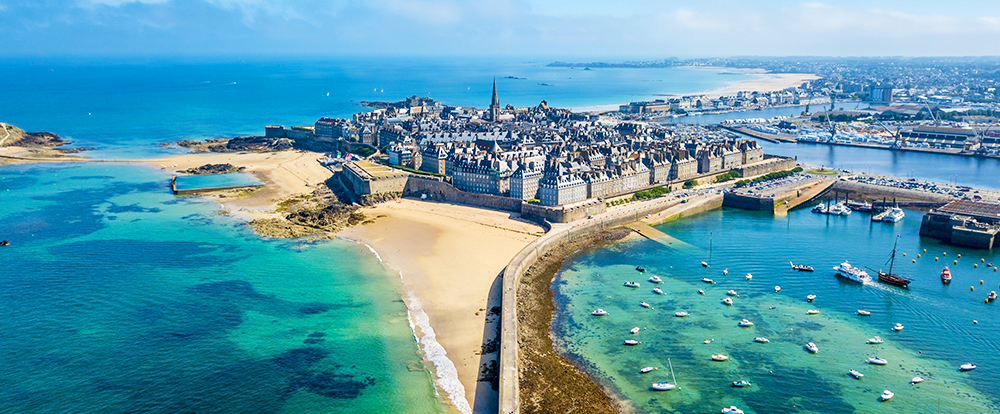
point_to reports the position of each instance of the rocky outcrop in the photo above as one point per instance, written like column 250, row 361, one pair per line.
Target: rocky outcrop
column 238, row 144
column 331, row 218
column 213, row 169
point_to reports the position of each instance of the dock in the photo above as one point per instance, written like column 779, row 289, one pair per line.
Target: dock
column 804, row 195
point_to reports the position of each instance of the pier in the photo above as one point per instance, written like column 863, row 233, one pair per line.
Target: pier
column 781, row 199
column 964, row 223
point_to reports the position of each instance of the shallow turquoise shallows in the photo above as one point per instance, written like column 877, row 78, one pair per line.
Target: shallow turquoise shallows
column 939, row 333
column 194, row 182
column 117, row 296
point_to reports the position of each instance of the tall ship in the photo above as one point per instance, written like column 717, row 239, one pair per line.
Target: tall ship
column 892, row 278
column 946, row 276
column 854, row 273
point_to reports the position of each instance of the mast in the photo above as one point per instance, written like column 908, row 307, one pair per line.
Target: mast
column 672, row 373
column 709, row 249
column 892, row 258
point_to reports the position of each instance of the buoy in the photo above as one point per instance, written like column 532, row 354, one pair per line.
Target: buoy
column 994, row 269
column 935, row 259
column 944, row 253
column 956, row 261
column 972, row 288
column 976, row 265
column 925, row 250
column 914, row 260
column 982, row 260
column 980, row 281
column 918, row 255
column 959, row 255
column 904, row 254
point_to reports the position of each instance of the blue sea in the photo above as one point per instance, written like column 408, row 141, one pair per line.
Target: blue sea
column 119, row 297
column 944, row 325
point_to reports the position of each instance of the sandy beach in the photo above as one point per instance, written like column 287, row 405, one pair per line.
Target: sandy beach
column 450, row 258
column 285, row 173
column 769, row 82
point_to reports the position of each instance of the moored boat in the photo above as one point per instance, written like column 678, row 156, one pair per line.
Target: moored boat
column 812, row 312
column 967, row 367
column 704, row 264
column 631, row 342
column 701, row 292
column 811, row 298
column 640, row 269
column 632, row 284
column 992, row 296
column 707, row 280
column 749, row 276
column 916, row 380
column 741, row 383
column 725, row 272
column 719, row 357
column 801, row 267
column 647, row 370
column 777, row 289
column 599, row 312
column 731, row 293
column 946, row 275
column 862, row 312
column 645, row 305
column 856, row 374
column 727, row 301
column 877, row 361
column 894, row 215
column 812, row 348
column 732, row 410
column 761, row 339
column 634, row 330
column 662, row 386
column 820, row 208
column 658, row 291
column 875, row 341
column 892, row 278
column 898, row 327
column 655, row 279
column 853, row 273
column 681, row 314
column 745, row 323
column 886, row 395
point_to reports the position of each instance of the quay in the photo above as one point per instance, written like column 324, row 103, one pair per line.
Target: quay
column 775, row 138
column 778, row 200
column 964, row 223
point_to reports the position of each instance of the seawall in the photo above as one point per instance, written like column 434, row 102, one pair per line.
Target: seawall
column 559, row 234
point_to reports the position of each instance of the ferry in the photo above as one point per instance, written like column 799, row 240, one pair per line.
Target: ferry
column 856, row 374
column 801, row 267
column 853, row 273
column 946, row 276
column 894, row 215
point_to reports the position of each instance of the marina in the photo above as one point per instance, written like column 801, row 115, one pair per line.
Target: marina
column 785, row 321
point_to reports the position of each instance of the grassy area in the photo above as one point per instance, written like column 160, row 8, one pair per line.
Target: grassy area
column 822, row 172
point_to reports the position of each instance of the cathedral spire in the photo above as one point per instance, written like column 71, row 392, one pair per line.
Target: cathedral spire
column 495, row 104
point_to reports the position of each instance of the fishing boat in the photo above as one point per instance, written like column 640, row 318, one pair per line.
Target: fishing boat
column 732, row 410
column 875, row 341
column 707, row 280
column 801, row 267
column 894, row 215
column 877, row 361
column 741, row 383
column 640, row 269
column 946, row 276
column 812, row 312
column 886, row 395
column 631, row 342
column 749, row 276
column 853, row 273
column 645, row 305
column 777, row 289
column 634, row 330
column 632, row 284
column 647, row 370
column 728, row 301
column 811, row 298
column 812, row 348
column 856, row 374
column 745, row 323
column 898, row 327
column 599, row 312
column 916, row 380
column 892, row 278
column 761, row 339
column 658, row 291
column 731, row 293
column 967, row 367
column 680, row 314
column 862, row 312
column 655, row 279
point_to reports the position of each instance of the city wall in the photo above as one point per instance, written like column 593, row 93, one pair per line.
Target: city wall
column 509, row 388
column 771, row 163
column 564, row 213
column 438, row 190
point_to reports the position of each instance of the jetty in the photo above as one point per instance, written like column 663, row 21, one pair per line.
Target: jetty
column 778, row 200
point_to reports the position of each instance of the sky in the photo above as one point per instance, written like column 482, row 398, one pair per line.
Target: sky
column 583, row 29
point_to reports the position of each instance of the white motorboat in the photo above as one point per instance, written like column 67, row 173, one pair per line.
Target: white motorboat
column 812, row 312
column 662, row 386
column 704, row 264
column 876, row 340
column 719, row 357
column 732, row 410
column 916, row 380
column 839, row 209
column 864, row 313
column 856, row 274
column 811, row 298
column 731, row 293
column 856, row 374
column 749, row 276
column 645, row 305
column 741, row 383
column 658, row 291
column 634, row 331
column 812, row 347
column 898, row 327
column 895, row 214
column 886, row 395
column 820, row 208
column 631, row 342
column 599, row 312
column 655, row 279
column 681, row 314
column 728, row 301
column 632, row 284
column 761, row 339
column 777, row 289
column 745, row 323
column 967, row 366
column 725, row 272
column 647, row 370
column 701, row 292
column 707, row 280
column 877, row 361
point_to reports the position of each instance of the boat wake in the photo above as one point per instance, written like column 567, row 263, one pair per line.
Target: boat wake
column 444, row 369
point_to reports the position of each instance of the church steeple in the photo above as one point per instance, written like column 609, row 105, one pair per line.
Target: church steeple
column 495, row 104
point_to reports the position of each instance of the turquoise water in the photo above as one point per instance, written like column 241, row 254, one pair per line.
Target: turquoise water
column 119, row 297
column 939, row 332
column 189, row 182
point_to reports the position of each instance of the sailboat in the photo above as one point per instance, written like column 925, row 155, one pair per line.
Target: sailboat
column 666, row 386
column 704, row 263
column 892, row 278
